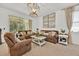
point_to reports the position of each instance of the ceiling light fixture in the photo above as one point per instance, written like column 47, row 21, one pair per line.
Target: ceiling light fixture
column 33, row 8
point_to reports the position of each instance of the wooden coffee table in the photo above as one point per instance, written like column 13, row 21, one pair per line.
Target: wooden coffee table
column 39, row 40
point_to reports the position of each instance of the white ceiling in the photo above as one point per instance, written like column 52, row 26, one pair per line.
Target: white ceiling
column 45, row 8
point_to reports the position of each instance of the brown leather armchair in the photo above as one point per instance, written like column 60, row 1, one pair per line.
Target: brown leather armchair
column 52, row 37
column 17, row 48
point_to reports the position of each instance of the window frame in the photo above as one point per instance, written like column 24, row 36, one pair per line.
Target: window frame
column 75, row 22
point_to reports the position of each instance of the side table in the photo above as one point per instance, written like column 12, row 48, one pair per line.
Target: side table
column 63, row 39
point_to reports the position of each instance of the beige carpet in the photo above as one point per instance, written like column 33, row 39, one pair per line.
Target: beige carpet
column 49, row 49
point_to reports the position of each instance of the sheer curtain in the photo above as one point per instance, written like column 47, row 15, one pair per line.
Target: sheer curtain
column 68, row 13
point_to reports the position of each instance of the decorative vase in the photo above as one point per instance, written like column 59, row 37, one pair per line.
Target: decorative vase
column 37, row 33
column 62, row 30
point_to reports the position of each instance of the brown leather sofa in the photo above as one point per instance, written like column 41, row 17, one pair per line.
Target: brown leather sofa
column 24, row 34
column 17, row 48
column 52, row 35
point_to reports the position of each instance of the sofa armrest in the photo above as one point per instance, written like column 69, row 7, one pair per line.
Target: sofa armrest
column 21, row 44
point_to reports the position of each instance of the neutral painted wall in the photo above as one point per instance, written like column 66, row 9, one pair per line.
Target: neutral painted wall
column 61, row 20
column 4, row 19
column 37, row 23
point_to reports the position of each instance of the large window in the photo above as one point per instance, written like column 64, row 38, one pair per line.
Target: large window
column 75, row 25
column 49, row 21
column 18, row 23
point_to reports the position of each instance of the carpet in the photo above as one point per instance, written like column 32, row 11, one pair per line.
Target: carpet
column 49, row 49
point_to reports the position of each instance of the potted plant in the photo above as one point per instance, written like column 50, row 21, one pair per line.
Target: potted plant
column 63, row 31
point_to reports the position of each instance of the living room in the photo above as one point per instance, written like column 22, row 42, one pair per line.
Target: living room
column 41, row 19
